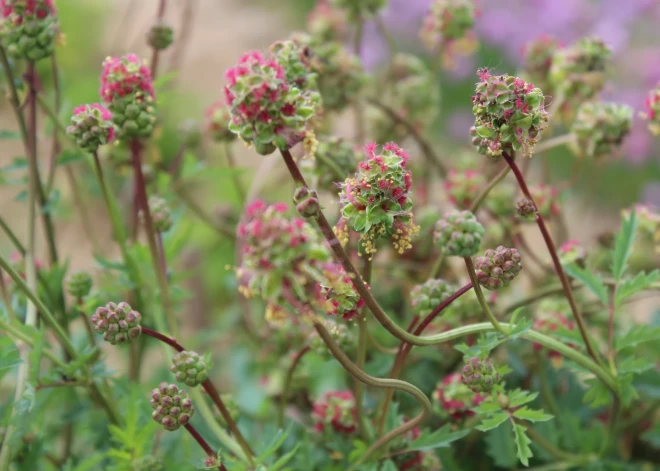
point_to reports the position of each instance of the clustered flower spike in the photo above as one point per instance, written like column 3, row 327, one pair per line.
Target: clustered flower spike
column 601, row 127
column 412, row 92
column 91, row 127
column 652, row 110
column 509, row 114
column 499, row 201
column 148, row 463
column 526, row 209
column 189, row 368
column 446, row 21
column 578, row 72
column 498, row 267
column 117, row 322
column 463, row 187
column 160, row 214
column 307, row 202
column 79, row 284
column 127, row 88
column 426, row 297
column 327, row 22
column 160, row 36
column 335, row 409
column 29, row 28
column 538, row 56
column 376, row 202
column 267, row 109
column 172, row 406
column 340, row 154
column 455, row 399
column 480, row 375
column 217, row 122
column 458, row 233
column 546, row 199
column 358, row 10
column 338, row 291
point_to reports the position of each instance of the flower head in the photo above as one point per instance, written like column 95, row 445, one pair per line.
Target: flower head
column 463, row 186
column 338, row 290
column 79, row 284
column 459, row 233
column 509, row 114
column 526, row 208
column 601, row 127
column 189, row 368
column 550, row 323
column 538, row 55
column 172, row 406
column 117, row 322
column 652, row 110
column 572, row 252
column 335, row 409
column 426, row 297
column 160, row 214
column 160, row 36
column 455, row 399
column 498, row 267
column 358, row 10
column 91, row 127
column 217, row 122
column 29, row 28
column 327, row 22
column 479, row 375
column 446, row 21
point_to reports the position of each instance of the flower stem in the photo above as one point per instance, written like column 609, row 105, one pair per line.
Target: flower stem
column 86, row 323
column 238, row 186
column 482, row 299
column 205, row 446
column 163, row 338
column 287, row 384
column 568, row 292
column 155, row 52
column 482, row 196
column 362, row 355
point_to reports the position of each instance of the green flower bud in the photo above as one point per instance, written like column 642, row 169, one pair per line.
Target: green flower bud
column 117, row 322
column 172, row 407
column 160, row 36
column 479, row 375
column 459, row 233
column 79, row 285
column 189, row 368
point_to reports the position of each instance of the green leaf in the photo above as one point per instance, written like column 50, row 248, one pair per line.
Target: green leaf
column 389, row 466
column 441, row 438
column 627, row 390
column 532, row 415
column 522, row 444
column 359, row 447
column 637, row 335
column 598, row 394
column 495, row 420
column 592, row 282
column 6, row 134
column 520, row 328
column 284, row 459
column 500, row 446
column 635, row 365
column 623, row 245
column 633, row 286
column 68, row 156
column 519, row 397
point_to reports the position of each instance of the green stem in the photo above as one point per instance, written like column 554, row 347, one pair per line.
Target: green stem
column 540, row 440
column 437, row 266
column 332, row 165
column 55, row 150
column 13, row 96
column 155, row 53
column 20, row 335
column 482, row 196
column 238, row 186
column 362, row 356
column 287, row 384
column 377, row 383
column 482, row 299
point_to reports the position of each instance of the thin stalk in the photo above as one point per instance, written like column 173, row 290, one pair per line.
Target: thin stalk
column 154, row 55
column 86, row 322
column 21, row 336
column 205, row 446
column 430, row 155
column 161, row 252
column 238, row 186
column 202, row 216
column 55, row 145
column 610, row 330
column 82, row 211
column 332, row 165
column 377, row 383
column 287, row 384
column 555, row 260
column 163, row 285
column 6, row 298
column 362, row 356
column 12, row 236
column 554, row 142
column 437, row 266
column 482, row 299
column 482, row 196
column 13, row 97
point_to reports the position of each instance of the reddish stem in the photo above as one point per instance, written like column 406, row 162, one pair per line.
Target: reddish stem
column 205, row 446
column 555, row 258
column 154, row 54
column 287, row 382
column 163, row 338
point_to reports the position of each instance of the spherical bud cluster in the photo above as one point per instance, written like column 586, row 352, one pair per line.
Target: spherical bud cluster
column 549, row 324
column 526, row 209
column 455, row 399
column 160, row 36
column 426, row 297
column 117, row 322
column 342, row 156
column 29, row 28
column 498, row 267
column 160, row 214
column 600, row 128
column 127, row 88
column 217, row 122
column 79, row 285
column 148, row 463
column 91, row 127
column 412, row 92
column 509, row 113
column 458, row 233
column 463, row 187
column 336, row 409
column 376, row 202
column 652, row 110
column 172, row 406
column 341, row 334
column 358, row 10
column 307, row 202
column 578, row 71
column 189, row 368
column 480, row 375
column 267, row 109
column 338, row 292
column 327, row 23
column 546, row 199
column 572, row 252
column 538, row 55
column 446, row 21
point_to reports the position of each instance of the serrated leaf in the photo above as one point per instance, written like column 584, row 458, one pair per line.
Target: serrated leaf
column 493, row 421
column 522, row 444
column 359, row 447
column 637, row 335
column 592, row 282
column 284, row 459
column 523, row 326
column 627, row 390
column 500, row 446
column 623, row 245
column 532, row 415
column 635, row 365
column 598, row 394
column 519, row 397
column 487, row 407
column 441, row 438
column 389, row 466
column 633, row 286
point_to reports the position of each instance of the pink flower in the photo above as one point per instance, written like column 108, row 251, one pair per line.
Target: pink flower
column 123, row 76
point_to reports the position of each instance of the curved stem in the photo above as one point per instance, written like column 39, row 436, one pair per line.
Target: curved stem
column 20, row 335
column 163, row 338
column 482, row 196
column 205, row 446
column 377, row 383
column 555, row 259
column 482, row 299
column 336, row 169
column 287, row 384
